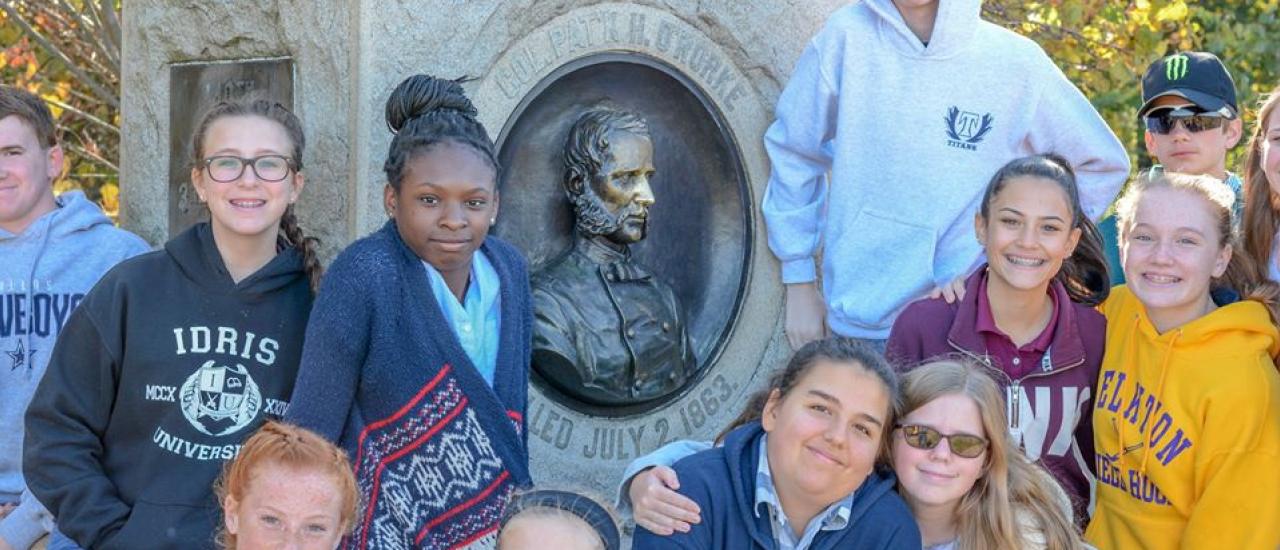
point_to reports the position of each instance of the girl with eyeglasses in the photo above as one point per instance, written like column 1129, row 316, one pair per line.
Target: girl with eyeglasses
column 803, row 465
column 417, row 355
column 1187, row 414
column 1028, row 315
column 178, row 355
column 1262, row 192
column 966, row 483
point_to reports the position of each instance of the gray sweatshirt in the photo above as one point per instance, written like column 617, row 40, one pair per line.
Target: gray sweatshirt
column 910, row 135
column 44, row 272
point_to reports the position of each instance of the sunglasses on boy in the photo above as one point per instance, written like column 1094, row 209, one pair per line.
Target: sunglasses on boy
column 1162, row 121
column 926, row 438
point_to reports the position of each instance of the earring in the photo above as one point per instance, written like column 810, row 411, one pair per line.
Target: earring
column 493, row 220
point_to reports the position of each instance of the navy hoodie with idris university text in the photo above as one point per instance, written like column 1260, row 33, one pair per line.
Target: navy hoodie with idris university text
column 158, row 377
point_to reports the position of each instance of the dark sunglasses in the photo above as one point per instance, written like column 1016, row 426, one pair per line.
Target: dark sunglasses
column 926, row 438
column 1162, row 121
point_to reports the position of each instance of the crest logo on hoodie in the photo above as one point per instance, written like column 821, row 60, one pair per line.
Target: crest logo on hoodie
column 219, row 399
column 966, row 129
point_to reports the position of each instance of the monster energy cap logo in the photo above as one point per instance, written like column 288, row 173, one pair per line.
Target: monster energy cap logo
column 1175, row 67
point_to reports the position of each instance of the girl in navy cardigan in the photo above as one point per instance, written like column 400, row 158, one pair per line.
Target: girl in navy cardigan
column 417, row 353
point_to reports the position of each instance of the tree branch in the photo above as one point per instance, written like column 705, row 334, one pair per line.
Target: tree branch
column 84, row 77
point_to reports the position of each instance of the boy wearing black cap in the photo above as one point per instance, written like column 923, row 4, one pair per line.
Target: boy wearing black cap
column 1189, row 107
column 1192, row 120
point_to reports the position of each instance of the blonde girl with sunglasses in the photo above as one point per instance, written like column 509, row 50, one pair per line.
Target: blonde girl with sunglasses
column 967, row 484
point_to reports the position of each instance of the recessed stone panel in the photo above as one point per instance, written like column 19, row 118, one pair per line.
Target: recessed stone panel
column 194, row 88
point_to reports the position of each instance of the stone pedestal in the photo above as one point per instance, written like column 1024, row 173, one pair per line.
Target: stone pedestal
column 347, row 57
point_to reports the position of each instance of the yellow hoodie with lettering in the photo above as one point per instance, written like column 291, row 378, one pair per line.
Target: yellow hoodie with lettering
column 1187, row 431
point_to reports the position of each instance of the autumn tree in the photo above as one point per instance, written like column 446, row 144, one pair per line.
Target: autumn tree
column 68, row 52
column 1104, row 47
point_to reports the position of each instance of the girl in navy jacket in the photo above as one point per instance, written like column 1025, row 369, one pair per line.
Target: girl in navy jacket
column 803, row 466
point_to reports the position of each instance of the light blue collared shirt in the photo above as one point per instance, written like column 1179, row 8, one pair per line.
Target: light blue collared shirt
column 477, row 319
column 833, row 518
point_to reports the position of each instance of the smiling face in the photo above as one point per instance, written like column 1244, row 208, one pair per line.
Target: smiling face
column 446, row 202
column 247, row 207
column 622, row 185
column 27, row 171
column 937, row 477
column 1171, row 250
column 284, row 507
column 1199, row 153
column 825, row 433
column 1028, row 233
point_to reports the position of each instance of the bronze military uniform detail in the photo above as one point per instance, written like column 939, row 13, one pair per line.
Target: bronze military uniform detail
column 607, row 331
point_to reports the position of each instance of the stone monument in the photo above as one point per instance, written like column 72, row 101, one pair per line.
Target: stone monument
column 702, row 75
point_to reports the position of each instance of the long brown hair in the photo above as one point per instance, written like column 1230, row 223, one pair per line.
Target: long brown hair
column 291, row 234
column 1261, row 205
column 293, row 447
column 991, row 515
column 1084, row 273
column 1242, row 274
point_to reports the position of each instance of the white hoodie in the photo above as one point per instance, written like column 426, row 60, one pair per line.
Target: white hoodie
column 911, row 134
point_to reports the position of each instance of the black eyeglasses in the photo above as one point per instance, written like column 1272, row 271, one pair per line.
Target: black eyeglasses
column 229, row 168
column 1162, row 121
column 926, row 438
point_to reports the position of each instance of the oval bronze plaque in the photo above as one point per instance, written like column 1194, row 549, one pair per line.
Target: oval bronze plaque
column 699, row 234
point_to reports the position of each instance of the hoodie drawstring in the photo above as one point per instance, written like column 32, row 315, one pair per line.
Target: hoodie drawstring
column 31, row 283
column 1159, row 395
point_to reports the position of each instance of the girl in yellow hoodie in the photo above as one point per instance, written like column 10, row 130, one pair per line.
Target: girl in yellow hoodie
column 1187, row 415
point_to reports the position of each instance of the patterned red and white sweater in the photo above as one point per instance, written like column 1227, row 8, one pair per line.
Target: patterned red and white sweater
column 436, row 449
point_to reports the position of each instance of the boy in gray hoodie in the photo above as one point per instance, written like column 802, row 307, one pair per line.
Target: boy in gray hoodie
column 52, row 251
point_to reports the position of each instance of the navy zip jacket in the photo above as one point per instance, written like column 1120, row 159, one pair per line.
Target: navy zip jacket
column 1050, row 409
column 723, row 483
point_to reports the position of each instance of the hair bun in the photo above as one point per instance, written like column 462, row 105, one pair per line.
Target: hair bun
column 420, row 95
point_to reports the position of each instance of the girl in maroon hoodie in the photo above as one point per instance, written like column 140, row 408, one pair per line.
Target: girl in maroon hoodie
column 1028, row 315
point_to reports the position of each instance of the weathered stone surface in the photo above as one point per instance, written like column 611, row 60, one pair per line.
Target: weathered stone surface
column 316, row 35
column 348, row 56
